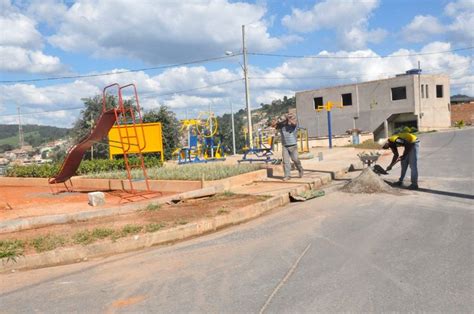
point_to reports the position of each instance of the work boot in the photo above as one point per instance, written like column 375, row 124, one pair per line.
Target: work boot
column 286, row 178
column 398, row 183
column 300, row 173
column 413, row 186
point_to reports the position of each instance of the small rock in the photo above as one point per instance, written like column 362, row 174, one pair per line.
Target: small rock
column 96, row 198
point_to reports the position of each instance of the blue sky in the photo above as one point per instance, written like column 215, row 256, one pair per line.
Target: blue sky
column 50, row 38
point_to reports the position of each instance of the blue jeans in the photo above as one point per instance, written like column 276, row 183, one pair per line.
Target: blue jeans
column 412, row 161
column 291, row 152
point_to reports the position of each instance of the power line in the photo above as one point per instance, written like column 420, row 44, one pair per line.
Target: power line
column 161, row 67
column 144, row 95
column 356, row 57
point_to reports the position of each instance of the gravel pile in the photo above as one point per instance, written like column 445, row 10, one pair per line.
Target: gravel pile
column 367, row 182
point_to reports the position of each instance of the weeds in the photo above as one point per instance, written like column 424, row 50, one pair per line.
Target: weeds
column 154, row 227
column 131, row 229
column 102, row 233
column 47, row 243
column 83, row 237
column 11, row 249
column 181, row 222
column 153, row 207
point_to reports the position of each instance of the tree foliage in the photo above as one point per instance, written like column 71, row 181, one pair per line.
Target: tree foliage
column 170, row 127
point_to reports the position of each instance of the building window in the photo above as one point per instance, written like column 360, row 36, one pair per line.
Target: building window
column 318, row 102
column 399, row 93
column 347, row 99
column 422, row 90
column 426, row 91
column 439, row 91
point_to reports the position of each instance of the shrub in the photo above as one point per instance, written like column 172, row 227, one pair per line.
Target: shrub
column 11, row 249
column 86, row 167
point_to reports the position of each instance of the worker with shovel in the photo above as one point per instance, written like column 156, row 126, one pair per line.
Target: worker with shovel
column 409, row 158
column 286, row 124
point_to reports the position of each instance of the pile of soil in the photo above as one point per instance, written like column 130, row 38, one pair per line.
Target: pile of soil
column 367, row 182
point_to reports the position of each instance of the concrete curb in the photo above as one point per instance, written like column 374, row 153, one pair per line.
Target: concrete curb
column 80, row 253
column 19, row 224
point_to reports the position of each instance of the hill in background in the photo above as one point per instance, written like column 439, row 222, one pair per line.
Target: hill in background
column 34, row 135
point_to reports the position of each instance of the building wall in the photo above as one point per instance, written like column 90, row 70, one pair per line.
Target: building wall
column 372, row 104
column 464, row 112
column 435, row 110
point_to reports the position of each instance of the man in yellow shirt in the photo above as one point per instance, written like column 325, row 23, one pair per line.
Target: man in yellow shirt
column 409, row 158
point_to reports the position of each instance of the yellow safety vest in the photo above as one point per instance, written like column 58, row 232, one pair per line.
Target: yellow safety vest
column 410, row 138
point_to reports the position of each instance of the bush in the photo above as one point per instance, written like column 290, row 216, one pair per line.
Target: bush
column 86, row 167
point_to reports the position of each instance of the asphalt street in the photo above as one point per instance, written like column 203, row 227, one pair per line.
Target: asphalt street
column 406, row 251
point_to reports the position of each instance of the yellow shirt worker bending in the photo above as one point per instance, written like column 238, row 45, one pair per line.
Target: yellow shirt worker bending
column 409, row 157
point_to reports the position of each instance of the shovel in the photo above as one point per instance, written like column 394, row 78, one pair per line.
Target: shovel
column 379, row 170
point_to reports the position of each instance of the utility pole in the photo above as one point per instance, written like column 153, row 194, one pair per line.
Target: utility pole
column 20, row 128
column 233, row 128
column 420, row 114
column 210, row 131
column 247, row 94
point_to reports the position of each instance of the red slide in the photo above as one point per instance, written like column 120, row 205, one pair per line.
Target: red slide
column 75, row 154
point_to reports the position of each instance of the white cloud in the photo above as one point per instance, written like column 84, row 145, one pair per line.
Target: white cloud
column 421, row 28
column 163, row 31
column 49, row 11
column 265, row 84
column 18, row 59
column 20, row 31
column 459, row 28
column 21, row 44
column 349, row 19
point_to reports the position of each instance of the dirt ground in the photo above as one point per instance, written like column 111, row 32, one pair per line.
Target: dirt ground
column 167, row 216
column 29, row 201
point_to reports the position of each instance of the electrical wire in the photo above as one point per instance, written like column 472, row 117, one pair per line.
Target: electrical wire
column 357, row 57
column 161, row 67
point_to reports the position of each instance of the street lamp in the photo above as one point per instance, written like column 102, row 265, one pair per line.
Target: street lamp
column 247, row 93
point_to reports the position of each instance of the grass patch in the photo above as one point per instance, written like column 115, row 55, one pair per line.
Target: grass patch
column 153, row 207
column 83, row 237
column 184, row 172
column 11, row 249
column 48, row 242
column 228, row 193
column 131, row 229
column 181, row 222
column 152, row 227
column 102, row 233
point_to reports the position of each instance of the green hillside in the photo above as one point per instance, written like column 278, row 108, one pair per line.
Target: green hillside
column 34, row 135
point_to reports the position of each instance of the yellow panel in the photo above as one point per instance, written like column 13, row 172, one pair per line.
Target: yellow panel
column 129, row 137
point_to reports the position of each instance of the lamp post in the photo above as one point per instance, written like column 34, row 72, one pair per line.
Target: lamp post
column 247, row 92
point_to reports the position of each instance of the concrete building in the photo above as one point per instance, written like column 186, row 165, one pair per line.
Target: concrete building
column 380, row 106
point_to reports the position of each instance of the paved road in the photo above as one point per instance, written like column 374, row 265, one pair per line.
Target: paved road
column 411, row 251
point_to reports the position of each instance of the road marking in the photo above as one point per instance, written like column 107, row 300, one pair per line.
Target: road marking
column 283, row 281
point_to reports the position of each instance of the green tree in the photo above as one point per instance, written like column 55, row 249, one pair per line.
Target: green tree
column 170, row 127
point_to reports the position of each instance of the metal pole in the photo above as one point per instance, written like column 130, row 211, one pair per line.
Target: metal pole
column 210, row 132
column 233, row 128
column 329, row 128
column 247, row 93
column 420, row 114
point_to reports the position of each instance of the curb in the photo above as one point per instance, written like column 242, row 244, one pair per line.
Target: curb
column 19, row 224
column 75, row 254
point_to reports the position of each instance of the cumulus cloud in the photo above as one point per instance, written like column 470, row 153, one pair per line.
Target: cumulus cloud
column 163, row 31
column 266, row 84
column 21, row 44
column 458, row 29
column 349, row 19
column 421, row 28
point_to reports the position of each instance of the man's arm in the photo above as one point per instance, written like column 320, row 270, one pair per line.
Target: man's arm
column 395, row 157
